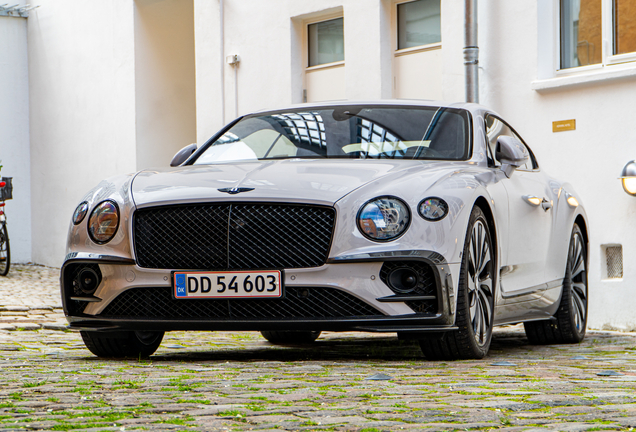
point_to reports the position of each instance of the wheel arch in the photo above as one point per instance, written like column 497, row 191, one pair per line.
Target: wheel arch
column 582, row 223
column 484, row 205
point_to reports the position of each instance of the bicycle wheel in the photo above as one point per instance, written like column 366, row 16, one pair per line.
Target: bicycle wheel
column 5, row 252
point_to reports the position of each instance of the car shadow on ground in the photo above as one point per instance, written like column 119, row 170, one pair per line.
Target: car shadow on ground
column 333, row 347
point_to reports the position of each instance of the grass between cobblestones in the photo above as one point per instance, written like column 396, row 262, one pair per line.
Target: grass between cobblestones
column 237, row 381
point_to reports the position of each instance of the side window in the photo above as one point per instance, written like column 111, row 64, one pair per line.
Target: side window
column 495, row 127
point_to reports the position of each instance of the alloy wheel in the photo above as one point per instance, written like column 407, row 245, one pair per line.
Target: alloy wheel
column 578, row 285
column 480, row 282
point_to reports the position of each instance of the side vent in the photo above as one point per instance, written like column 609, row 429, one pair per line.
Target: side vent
column 613, row 261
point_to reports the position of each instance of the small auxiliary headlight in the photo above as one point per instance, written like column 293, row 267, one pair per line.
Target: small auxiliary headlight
column 80, row 213
column 433, row 209
column 104, row 221
column 384, row 218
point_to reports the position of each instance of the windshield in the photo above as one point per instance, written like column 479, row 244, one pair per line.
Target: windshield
column 353, row 132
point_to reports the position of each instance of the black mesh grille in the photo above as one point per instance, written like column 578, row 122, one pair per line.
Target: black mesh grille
column 426, row 284
column 233, row 237
column 192, row 237
column 299, row 303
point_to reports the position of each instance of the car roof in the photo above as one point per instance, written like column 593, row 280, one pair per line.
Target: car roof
column 383, row 102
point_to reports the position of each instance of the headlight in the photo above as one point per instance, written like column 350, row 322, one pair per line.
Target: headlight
column 433, row 209
column 103, row 223
column 80, row 213
column 384, row 218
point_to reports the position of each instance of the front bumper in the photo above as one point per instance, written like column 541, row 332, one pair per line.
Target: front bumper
column 355, row 277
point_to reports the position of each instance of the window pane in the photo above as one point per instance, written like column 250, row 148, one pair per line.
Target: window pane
column 326, row 42
column 624, row 26
column 581, row 35
column 419, row 23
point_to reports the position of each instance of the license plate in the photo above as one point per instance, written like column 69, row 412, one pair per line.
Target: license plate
column 237, row 284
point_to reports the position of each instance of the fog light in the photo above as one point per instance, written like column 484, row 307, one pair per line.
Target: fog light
column 87, row 281
column 403, row 280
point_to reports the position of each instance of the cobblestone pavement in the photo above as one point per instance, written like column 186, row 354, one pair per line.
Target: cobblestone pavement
column 237, row 381
column 30, row 298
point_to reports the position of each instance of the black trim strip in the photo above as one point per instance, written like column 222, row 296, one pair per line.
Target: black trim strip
column 403, row 298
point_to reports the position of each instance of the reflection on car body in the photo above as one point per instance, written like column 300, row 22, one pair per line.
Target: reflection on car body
column 431, row 221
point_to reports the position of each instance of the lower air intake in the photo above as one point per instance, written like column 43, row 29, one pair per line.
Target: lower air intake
column 298, row 303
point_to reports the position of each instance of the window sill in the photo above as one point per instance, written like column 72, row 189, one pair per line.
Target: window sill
column 607, row 73
column 418, row 49
column 325, row 66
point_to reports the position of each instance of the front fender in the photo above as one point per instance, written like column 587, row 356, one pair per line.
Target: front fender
column 118, row 190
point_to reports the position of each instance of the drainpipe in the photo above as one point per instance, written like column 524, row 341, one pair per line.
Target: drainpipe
column 471, row 52
column 222, row 62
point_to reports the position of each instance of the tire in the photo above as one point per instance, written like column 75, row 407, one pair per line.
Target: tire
column 290, row 337
column 475, row 298
column 571, row 317
column 5, row 252
column 134, row 344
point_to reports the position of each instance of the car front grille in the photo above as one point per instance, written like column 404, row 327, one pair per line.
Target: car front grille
column 298, row 303
column 244, row 236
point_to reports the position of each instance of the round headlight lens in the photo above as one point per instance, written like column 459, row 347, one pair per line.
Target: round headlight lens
column 80, row 213
column 104, row 221
column 384, row 218
column 433, row 209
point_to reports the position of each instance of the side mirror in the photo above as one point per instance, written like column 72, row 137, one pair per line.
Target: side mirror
column 183, row 155
column 511, row 153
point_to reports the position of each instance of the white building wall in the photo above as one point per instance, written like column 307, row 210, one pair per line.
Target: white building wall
column 82, row 109
column 88, row 122
column 273, row 58
column 164, row 80
column 590, row 157
column 14, row 132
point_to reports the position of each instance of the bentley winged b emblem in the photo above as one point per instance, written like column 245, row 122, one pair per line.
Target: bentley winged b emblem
column 235, row 190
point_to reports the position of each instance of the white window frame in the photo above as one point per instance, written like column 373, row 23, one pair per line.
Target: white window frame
column 306, row 25
column 395, row 37
column 607, row 45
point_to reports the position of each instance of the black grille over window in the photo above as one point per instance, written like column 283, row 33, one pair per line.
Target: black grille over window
column 233, row 236
column 298, row 303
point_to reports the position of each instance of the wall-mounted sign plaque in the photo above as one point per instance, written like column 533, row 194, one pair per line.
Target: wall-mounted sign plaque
column 563, row 125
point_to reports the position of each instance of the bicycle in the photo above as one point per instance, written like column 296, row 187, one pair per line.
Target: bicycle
column 6, row 192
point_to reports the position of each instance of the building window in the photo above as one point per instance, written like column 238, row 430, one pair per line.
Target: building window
column 624, row 21
column 326, row 42
column 583, row 23
column 419, row 23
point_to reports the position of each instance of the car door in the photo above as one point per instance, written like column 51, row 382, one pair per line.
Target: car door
column 530, row 221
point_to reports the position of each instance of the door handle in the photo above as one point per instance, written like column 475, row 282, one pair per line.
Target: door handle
column 547, row 205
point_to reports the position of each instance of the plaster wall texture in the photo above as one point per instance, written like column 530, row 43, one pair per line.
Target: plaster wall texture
column 590, row 157
column 84, row 105
column 82, row 109
column 267, row 38
column 14, row 132
column 164, row 80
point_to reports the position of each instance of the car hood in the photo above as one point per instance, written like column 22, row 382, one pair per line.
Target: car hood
column 292, row 180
